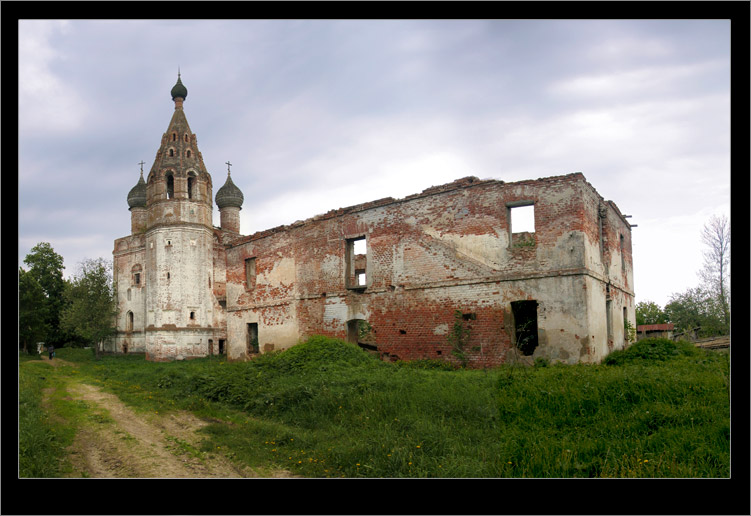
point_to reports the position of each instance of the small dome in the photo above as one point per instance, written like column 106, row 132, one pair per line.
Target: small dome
column 137, row 194
column 178, row 90
column 229, row 195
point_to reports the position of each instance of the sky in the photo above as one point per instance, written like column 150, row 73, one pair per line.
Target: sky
column 316, row 115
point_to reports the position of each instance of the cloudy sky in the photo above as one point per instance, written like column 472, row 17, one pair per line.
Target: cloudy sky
column 321, row 114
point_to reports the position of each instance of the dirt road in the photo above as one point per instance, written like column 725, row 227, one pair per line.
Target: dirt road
column 118, row 442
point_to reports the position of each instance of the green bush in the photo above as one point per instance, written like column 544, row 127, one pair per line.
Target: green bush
column 652, row 349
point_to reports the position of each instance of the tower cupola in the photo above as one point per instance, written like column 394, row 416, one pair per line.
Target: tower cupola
column 229, row 195
column 229, row 200
column 179, row 90
column 137, row 194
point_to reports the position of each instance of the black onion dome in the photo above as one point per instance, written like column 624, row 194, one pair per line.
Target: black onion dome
column 179, row 90
column 229, row 195
column 137, row 194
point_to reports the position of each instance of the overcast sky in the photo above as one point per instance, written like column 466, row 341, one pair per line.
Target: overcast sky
column 316, row 115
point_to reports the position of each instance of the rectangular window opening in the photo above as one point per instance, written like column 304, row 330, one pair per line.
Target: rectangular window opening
column 522, row 225
column 250, row 273
column 522, row 219
column 356, row 261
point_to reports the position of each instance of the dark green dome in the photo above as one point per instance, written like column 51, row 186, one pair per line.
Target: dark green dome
column 229, row 195
column 137, row 194
column 178, row 90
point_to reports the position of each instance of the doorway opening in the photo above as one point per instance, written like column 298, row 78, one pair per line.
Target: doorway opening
column 525, row 326
column 252, row 345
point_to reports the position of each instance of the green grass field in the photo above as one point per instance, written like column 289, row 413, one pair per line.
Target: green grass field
column 324, row 408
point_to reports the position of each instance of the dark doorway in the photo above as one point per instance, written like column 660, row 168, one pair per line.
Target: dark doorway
column 525, row 325
column 221, row 346
column 252, row 338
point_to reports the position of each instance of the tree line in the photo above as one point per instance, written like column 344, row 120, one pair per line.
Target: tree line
column 703, row 310
column 57, row 311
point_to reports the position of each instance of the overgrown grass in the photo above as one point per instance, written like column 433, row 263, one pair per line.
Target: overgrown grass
column 42, row 440
column 325, row 408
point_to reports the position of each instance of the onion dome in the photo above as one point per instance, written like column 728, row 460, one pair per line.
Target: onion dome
column 137, row 194
column 178, row 90
column 229, row 195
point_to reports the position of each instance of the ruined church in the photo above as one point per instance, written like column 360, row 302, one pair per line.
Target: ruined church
column 441, row 274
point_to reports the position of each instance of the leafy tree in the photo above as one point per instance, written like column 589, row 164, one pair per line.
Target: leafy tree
column 649, row 312
column 92, row 304
column 32, row 310
column 697, row 308
column 46, row 267
column 716, row 271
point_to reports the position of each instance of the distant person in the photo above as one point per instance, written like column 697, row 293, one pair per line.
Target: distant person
column 39, row 347
column 51, row 349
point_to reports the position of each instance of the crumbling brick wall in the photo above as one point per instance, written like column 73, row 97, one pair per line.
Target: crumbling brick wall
column 446, row 249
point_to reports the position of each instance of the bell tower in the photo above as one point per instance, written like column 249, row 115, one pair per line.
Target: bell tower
column 178, row 240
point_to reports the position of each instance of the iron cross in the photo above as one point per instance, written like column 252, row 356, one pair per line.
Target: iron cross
column 228, row 165
column 141, row 163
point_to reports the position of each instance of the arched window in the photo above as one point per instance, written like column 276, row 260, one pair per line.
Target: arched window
column 129, row 321
column 174, row 137
column 191, row 184
column 170, row 186
column 186, row 137
column 171, row 152
column 187, row 153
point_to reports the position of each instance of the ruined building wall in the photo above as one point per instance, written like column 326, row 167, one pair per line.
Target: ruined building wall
column 447, row 249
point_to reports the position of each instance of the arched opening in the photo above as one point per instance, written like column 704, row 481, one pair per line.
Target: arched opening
column 170, row 186
column 129, row 321
column 191, row 183
column 360, row 332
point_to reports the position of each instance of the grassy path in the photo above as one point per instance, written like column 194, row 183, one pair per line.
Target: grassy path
column 109, row 439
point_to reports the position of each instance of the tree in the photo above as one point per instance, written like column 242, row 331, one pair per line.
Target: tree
column 32, row 310
column 716, row 271
column 697, row 308
column 649, row 312
column 92, row 304
column 46, row 267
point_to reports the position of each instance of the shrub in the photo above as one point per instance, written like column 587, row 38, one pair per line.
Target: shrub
column 652, row 349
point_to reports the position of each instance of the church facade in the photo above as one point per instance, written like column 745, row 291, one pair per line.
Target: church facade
column 442, row 274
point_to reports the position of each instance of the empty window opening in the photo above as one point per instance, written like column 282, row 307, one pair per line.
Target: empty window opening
column 402, row 332
column 609, row 317
column 252, row 345
column 525, row 326
column 168, row 276
column 129, row 321
column 170, row 186
column 356, row 263
column 187, row 153
column 186, row 137
column 250, row 273
column 137, row 278
column 191, row 182
column 523, row 219
column 623, row 257
column 174, row 137
column 211, row 347
column 522, row 225
column 171, row 152
column 469, row 317
column 192, row 316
